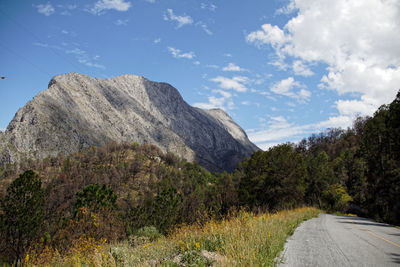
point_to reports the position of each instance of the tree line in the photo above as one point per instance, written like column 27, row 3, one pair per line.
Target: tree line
column 116, row 191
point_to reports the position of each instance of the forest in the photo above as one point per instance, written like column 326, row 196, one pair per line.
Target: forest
column 114, row 192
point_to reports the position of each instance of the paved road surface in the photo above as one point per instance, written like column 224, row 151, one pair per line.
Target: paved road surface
column 332, row 240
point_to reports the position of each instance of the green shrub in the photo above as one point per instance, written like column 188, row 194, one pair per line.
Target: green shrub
column 149, row 232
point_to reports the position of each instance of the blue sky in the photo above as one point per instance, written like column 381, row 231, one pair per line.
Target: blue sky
column 282, row 69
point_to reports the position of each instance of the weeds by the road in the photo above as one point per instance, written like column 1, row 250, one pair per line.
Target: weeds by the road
column 243, row 240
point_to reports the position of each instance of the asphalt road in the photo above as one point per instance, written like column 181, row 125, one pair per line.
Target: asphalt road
column 332, row 240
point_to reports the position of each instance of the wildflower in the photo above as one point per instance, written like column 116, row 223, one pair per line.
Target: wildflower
column 197, row 245
column 147, row 245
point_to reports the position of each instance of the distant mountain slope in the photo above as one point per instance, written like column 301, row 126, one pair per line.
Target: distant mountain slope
column 78, row 111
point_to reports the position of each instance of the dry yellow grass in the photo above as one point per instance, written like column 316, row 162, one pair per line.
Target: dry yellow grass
column 244, row 240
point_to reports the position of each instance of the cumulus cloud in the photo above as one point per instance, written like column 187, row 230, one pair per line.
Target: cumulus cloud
column 286, row 87
column 45, row 9
column 236, row 83
column 299, row 68
column 359, row 41
column 268, row 35
column 177, row 53
column 362, row 107
column 103, row 5
column 181, row 20
column 232, row 67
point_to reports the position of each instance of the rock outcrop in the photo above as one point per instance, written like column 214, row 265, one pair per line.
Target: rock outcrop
column 78, row 111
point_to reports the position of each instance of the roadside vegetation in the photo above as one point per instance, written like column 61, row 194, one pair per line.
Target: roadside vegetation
column 245, row 239
column 129, row 197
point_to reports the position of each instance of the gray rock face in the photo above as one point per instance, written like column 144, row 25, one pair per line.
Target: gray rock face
column 78, row 111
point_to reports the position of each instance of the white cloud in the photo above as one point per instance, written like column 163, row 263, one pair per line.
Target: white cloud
column 236, row 83
column 335, row 122
column 177, row 53
column 82, row 56
column 212, row 66
column 66, row 9
column 268, row 35
column 121, row 22
column 280, row 64
column 286, row 10
column 101, row 6
column 232, row 67
column 359, row 41
column 278, row 129
column 286, row 87
column 76, row 51
column 304, row 94
column 210, row 7
column 84, row 59
column 223, row 93
column 41, row 44
column 150, row 1
column 354, row 108
column 45, row 9
column 156, row 41
column 204, row 27
column 224, row 101
column 301, row 69
column 181, row 20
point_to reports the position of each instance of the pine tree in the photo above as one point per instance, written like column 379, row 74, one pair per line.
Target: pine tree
column 22, row 214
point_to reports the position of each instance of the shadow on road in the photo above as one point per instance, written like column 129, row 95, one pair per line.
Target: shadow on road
column 359, row 221
column 395, row 257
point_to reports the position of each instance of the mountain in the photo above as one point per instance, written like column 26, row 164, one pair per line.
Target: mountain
column 78, row 111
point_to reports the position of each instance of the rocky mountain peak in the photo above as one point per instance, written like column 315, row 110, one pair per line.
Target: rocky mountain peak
column 77, row 111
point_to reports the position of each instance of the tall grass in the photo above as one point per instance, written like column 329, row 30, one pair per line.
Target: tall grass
column 243, row 240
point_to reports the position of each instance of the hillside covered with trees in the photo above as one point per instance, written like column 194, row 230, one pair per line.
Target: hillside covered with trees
column 114, row 192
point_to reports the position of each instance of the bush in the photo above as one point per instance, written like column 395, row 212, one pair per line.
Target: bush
column 150, row 232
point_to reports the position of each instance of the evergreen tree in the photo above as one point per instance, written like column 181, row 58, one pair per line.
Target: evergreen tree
column 22, row 214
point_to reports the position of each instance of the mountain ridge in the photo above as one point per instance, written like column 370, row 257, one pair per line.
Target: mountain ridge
column 77, row 111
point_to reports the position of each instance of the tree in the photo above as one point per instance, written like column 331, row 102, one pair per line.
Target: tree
column 22, row 214
column 336, row 198
column 319, row 175
column 381, row 150
column 95, row 197
column 272, row 179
